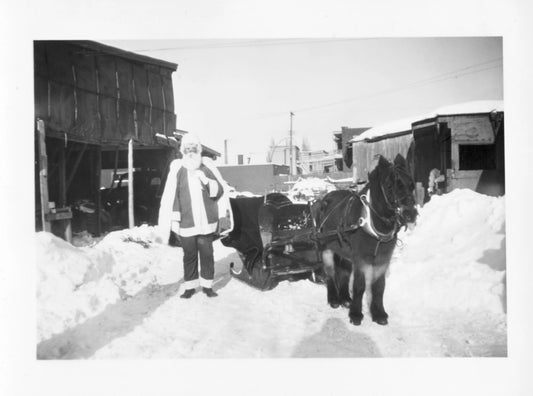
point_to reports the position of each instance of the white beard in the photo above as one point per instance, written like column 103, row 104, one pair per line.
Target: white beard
column 192, row 161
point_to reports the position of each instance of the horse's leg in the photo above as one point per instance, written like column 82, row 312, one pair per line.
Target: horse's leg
column 329, row 269
column 376, row 307
column 356, row 313
column 344, row 283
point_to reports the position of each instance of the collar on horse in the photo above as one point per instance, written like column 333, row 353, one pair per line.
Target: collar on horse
column 365, row 221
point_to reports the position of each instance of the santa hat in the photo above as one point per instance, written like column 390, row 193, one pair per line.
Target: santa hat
column 190, row 139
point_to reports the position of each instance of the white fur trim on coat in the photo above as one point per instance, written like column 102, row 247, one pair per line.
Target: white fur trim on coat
column 169, row 192
column 206, row 282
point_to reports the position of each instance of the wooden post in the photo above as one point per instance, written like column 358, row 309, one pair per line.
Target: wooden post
column 62, row 178
column 43, row 176
column 131, row 219
column 98, row 164
column 115, row 168
column 63, row 193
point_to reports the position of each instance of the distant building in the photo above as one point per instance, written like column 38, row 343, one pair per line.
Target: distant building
column 281, row 155
column 321, row 161
column 256, row 178
column 342, row 140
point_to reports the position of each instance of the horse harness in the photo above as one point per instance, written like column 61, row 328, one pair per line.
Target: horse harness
column 365, row 220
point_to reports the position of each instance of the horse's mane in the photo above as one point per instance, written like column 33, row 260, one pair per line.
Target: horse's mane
column 398, row 167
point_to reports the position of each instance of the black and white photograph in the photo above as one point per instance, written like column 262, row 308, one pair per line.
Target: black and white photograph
column 243, row 204
column 336, row 209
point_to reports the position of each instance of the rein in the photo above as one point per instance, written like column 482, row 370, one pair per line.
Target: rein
column 365, row 220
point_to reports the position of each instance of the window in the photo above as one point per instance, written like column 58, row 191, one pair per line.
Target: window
column 477, row 157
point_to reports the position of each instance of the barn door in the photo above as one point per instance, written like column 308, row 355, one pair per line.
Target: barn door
column 445, row 144
column 427, row 153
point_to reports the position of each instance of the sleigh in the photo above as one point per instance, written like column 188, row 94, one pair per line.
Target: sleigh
column 276, row 240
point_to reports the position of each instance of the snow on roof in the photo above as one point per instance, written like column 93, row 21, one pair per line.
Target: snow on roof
column 404, row 124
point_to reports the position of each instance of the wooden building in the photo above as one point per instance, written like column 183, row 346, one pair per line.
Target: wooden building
column 91, row 102
column 387, row 139
column 342, row 140
column 463, row 142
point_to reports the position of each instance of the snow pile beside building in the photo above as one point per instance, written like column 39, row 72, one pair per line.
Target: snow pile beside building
column 71, row 285
column 454, row 259
column 75, row 284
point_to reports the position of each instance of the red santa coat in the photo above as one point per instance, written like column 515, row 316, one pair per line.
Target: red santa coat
column 197, row 208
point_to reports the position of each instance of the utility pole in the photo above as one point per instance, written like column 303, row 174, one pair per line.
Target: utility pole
column 290, row 145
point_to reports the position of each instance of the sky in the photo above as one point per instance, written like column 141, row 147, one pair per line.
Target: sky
column 243, row 90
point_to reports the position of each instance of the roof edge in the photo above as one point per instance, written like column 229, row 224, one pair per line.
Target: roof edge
column 99, row 47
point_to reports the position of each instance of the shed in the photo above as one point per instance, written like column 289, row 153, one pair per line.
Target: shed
column 388, row 139
column 91, row 100
column 464, row 142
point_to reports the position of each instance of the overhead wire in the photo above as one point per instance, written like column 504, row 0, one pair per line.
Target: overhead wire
column 416, row 84
column 252, row 43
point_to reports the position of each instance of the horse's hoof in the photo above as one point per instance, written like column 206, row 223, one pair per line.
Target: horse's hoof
column 334, row 305
column 356, row 321
column 382, row 321
column 346, row 304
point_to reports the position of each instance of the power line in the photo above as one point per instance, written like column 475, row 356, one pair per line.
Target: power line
column 389, row 91
column 254, row 43
column 417, row 84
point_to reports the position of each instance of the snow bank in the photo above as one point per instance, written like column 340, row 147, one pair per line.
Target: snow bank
column 76, row 283
column 454, row 259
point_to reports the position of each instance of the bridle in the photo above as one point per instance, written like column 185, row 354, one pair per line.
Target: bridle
column 393, row 204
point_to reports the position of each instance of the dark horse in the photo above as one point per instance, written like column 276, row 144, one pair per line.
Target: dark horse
column 366, row 225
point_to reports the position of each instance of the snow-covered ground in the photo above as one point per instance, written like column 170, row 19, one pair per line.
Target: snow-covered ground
column 118, row 297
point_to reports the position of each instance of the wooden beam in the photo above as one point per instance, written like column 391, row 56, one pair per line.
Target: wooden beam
column 115, row 167
column 43, row 176
column 62, row 178
column 98, row 166
column 131, row 219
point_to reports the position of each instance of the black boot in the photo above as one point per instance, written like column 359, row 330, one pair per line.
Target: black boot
column 188, row 293
column 209, row 292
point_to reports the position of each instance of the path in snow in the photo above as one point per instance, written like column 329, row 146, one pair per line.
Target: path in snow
column 292, row 320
